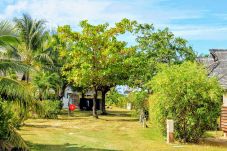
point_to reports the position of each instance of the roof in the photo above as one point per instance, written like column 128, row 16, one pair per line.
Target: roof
column 216, row 63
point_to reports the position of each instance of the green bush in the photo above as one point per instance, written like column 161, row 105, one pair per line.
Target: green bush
column 51, row 108
column 114, row 98
column 187, row 95
column 8, row 134
column 5, row 120
column 139, row 101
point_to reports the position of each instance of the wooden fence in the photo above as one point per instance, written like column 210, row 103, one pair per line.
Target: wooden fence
column 224, row 119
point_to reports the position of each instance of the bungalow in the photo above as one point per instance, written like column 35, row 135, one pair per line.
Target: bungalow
column 216, row 64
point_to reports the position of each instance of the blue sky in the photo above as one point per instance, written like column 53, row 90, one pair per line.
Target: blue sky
column 202, row 22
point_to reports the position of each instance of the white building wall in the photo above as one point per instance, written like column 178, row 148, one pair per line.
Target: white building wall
column 65, row 99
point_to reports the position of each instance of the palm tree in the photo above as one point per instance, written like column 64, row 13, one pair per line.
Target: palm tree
column 11, row 89
column 32, row 35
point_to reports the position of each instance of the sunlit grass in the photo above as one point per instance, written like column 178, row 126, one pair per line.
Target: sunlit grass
column 117, row 131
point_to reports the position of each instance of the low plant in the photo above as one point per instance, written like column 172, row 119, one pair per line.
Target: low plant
column 51, row 108
column 8, row 135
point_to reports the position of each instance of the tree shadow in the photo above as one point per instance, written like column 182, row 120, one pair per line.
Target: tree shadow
column 64, row 147
column 214, row 142
column 119, row 113
column 121, row 120
column 72, row 118
column 41, row 126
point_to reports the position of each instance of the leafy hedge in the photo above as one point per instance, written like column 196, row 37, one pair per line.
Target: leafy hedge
column 187, row 95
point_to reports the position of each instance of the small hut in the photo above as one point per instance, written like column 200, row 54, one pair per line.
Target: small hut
column 82, row 101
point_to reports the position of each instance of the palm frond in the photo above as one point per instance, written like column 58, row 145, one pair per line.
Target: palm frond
column 44, row 58
column 15, row 140
column 15, row 90
column 31, row 31
column 9, row 64
column 6, row 28
column 7, row 39
column 7, row 34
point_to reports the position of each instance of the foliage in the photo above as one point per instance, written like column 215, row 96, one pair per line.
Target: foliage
column 95, row 57
column 115, row 98
column 154, row 47
column 47, row 83
column 11, row 89
column 31, row 49
column 7, row 35
column 8, row 134
column 138, row 100
column 52, row 108
column 187, row 95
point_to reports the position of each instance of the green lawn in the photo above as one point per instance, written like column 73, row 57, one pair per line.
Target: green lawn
column 117, row 131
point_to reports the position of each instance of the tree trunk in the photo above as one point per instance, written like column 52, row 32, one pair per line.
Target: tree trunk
column 83, row 95
column 94, row 104
column 103, row 103
column 62, row 91
column 27, row 77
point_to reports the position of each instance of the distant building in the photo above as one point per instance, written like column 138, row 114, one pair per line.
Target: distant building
column 125, row 90
column 75, row 97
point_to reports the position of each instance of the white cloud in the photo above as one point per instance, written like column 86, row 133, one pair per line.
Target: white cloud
column 204, row 32
column 59, row 12
column 12, row 9
column 72, row 11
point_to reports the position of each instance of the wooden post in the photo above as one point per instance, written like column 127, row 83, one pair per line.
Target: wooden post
column 170, row 131
column 129, row 106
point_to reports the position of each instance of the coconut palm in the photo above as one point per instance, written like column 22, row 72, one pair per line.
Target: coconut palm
column 32, row 36
column 11, row 89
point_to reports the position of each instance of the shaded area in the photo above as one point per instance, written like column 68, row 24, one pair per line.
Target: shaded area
column 214, row 142
column 121, row 120
column 63, row 147
column 41, row 126
column 119, row 113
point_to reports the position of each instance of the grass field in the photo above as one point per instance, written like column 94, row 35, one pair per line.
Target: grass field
column 116, row 131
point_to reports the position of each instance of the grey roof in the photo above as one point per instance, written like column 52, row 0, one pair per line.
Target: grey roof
column 216, row 64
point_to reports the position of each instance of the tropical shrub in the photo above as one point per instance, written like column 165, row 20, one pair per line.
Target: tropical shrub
column 51, row 108
column 114, row 98
column 8, row 135
column 138, row 100
column 187, row 95
column 4, row 120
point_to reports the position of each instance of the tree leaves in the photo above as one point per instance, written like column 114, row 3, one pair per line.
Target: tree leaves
column 185, row 94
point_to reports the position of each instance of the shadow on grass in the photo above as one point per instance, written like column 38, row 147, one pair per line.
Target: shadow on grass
column 214, row 142
column 63, row 147
column 41, row 126
column 121, row 120
column 83, row 114
column 119, row 113
column 72, row 118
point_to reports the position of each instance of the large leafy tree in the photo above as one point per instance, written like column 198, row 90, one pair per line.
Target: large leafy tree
column 96, row 58
column 187, row 95
column 54, row 46
column 157, row 46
